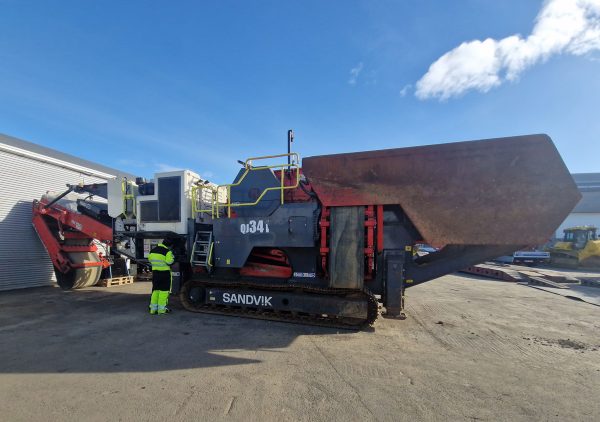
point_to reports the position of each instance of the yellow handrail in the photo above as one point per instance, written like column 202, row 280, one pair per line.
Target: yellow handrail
column 248, row 168
column 295, row 155
column 197, row 199
column 210, row 252
column 126, row 186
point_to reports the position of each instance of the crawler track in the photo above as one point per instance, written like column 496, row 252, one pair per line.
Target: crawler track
column 188, row 301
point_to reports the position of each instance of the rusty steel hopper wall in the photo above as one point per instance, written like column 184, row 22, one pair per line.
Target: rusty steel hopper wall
column 504, row 191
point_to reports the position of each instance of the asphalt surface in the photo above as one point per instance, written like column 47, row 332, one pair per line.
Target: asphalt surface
column 470, row 349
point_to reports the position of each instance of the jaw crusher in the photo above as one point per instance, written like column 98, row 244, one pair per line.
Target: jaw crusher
column 330, row 240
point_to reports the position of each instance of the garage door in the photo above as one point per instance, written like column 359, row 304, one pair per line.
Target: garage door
column 24, row 261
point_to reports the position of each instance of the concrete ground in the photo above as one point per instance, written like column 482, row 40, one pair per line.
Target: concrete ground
column 470, row 349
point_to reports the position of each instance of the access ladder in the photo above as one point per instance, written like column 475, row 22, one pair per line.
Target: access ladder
column 202, row 249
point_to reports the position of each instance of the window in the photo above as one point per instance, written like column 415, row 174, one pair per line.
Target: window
column 148, row 211
column 169, row 198
column 168, row 206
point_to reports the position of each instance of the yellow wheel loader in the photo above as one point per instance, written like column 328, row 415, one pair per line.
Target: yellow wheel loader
column 580, row 247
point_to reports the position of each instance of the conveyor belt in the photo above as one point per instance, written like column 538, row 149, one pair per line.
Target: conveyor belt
column 87, row 274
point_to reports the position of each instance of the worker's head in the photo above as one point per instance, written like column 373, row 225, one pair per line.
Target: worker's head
column 168, row 241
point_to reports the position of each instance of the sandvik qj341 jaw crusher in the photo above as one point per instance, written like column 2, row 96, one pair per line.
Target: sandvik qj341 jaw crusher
column 328, row 241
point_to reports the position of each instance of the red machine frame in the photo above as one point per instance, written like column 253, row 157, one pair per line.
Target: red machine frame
column 72, row 225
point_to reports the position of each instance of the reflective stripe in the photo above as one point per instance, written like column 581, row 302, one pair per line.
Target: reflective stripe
column 159, row 265
column 160, row 261
column 168, row 257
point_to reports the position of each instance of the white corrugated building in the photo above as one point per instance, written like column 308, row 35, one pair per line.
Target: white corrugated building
column 587, row 211
column 27, row 171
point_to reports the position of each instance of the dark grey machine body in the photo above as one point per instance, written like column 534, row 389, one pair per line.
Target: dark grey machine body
column 289, row 226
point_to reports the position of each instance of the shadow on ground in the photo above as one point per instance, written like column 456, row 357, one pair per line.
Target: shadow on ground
column 47, row 330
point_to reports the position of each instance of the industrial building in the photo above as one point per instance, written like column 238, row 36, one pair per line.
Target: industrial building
column 587, row 211
column 27, row 171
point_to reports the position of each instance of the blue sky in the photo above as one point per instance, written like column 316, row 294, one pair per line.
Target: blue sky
column 151, row 85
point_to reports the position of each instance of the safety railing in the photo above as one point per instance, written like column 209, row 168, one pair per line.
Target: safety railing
column 199, row 200
column 217, row 205
column 128, row 195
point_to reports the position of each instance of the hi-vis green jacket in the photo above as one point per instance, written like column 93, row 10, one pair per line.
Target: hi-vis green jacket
column 160, row 258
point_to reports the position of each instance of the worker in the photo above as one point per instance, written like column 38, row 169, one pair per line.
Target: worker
column 161, row 257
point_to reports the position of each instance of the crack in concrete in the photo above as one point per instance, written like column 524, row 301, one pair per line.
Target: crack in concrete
column 229, row 406
column 185, row 401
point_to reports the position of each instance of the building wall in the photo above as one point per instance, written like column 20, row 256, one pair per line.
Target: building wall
column 587, row 211
column 579, row 219
column 24, row 260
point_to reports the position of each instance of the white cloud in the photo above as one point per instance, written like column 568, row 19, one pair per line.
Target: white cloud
column 354, row 72
column 405, row 90
column 561, row 27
